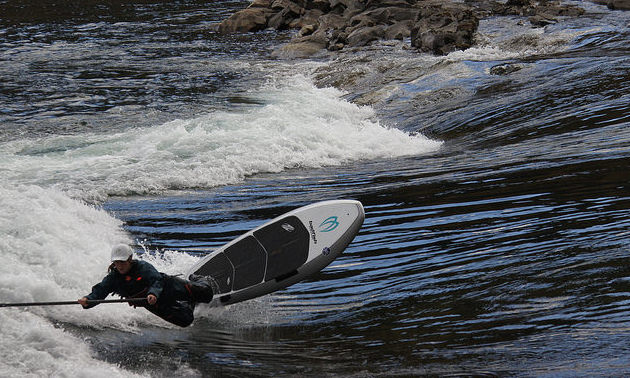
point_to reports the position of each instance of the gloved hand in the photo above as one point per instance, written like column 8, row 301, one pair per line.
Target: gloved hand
column 83, row 302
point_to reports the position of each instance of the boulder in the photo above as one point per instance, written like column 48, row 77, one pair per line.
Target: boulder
column 286, row 5
column 436, row 26
column 260, row 4
column 282, row 19
column 310, row 20
column 361, row 20
column 443, row 29
column 557, row 9
column 247, row 20
column 391, row 15
column 505, row 69
column 322, row 5
column 332, row 22
column 371, row 4
column 364, row 36
column 619, row 4
column 307, row 30
column 300, row 48
column 541, row 20
column 399, row 30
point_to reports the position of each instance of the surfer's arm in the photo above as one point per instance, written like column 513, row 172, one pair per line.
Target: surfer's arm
column 99, row 291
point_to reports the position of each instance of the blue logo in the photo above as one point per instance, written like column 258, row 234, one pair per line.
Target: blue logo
column 329, row 224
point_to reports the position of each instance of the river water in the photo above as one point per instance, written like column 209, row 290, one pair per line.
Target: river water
column 495, row 183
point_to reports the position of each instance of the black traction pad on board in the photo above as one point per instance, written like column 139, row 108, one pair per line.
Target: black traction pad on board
column 286, row 242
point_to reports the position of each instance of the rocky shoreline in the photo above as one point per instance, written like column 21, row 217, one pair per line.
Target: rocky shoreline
column 433, row 26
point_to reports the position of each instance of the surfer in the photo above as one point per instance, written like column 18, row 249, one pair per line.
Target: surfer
column 171, row 298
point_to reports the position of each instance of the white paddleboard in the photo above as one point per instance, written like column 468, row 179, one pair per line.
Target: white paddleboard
column 282, row 251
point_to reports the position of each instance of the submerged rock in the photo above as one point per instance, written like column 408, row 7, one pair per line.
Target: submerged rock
column 505, row 69
column 435, row 26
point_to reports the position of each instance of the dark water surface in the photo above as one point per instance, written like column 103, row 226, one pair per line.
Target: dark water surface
column 502, row 252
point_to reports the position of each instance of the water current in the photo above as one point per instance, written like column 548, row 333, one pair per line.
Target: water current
column 495, row 182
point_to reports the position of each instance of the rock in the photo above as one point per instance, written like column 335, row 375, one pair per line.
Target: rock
column 390, row 15
column 557, row 9
column 399, row 30
column 364, row 36
column 614, row 4
column 307, row 30
column 371, row 4
column 361, row 20
column 282, row 19
column 248, row 20
column 322, row 5
column 436, row 26
column 340, row 6
column 619, row 4
column 541, row 20
column 287, row 6
column 287, row 11
column 260, row 4
column 517, row 3
column 505, row 69
column 332, row 21
column 310, row 20
column 301, row 48
column 443, row 29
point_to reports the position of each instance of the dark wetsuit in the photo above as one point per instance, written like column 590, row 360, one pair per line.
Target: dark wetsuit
column 175, row 297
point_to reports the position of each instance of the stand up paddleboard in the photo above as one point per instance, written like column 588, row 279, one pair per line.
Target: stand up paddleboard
column 281, row 252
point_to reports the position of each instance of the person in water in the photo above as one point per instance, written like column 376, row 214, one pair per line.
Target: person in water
column 171, row 298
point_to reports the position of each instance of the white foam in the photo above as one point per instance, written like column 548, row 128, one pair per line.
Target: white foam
column 55, row 248
column 32, row 346
column 300, row 126
column 505, row 38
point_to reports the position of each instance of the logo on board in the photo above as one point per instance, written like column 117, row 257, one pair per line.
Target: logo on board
column 329, row 224
column 288, row 228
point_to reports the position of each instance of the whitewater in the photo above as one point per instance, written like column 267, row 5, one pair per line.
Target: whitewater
column 56, row 236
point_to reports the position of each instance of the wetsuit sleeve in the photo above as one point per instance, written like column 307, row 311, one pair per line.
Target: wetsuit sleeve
column 101, row 290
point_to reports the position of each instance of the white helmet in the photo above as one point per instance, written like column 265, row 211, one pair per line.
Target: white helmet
column 121, row 252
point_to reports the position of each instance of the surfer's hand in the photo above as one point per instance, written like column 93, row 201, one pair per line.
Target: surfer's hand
column 151, row 299
column 83, row 302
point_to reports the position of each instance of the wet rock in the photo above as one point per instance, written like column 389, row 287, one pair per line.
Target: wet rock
column 361, row 20
column 528, row 8
column 444, row 27
column 247, row 20
column 389, row 3
column 400, row 30
column 542, row 20
column 390, row 15
column 505, row 69
column 364, row 36
column 260, row 4
column 300, row 48
column 435, row 26
column 558, row 9
column 619, row 4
